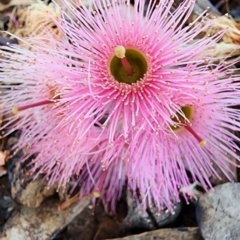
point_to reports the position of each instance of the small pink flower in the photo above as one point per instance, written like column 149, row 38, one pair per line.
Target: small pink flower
column 123, row 98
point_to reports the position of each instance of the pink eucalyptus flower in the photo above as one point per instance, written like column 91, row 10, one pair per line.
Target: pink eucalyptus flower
column 123, row 97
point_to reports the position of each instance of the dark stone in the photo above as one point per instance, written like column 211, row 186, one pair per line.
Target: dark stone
column 5, row 2
column 7, row 205
column 5, row 41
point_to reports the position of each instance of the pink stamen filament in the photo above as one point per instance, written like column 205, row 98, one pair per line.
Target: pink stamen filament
column 127, row 66
column 32, row 105
column 201, row 141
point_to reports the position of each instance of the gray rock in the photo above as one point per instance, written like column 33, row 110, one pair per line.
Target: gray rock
column 42, row 223
column 23, row 189
column 7, row 205
column 92, row 224
column 201, row 5
column 140, row 220
column 167, row 234
column 218, row 213
column 83, row 227
column 107, row 227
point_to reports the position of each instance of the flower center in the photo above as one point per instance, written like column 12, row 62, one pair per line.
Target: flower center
column 184, row 118
column 128, row 65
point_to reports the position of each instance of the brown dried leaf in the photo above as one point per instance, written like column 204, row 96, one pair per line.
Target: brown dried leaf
column 221, row 50
column 36, row 20
column 232, row 34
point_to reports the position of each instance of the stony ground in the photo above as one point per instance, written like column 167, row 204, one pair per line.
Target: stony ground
column 31, row 211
